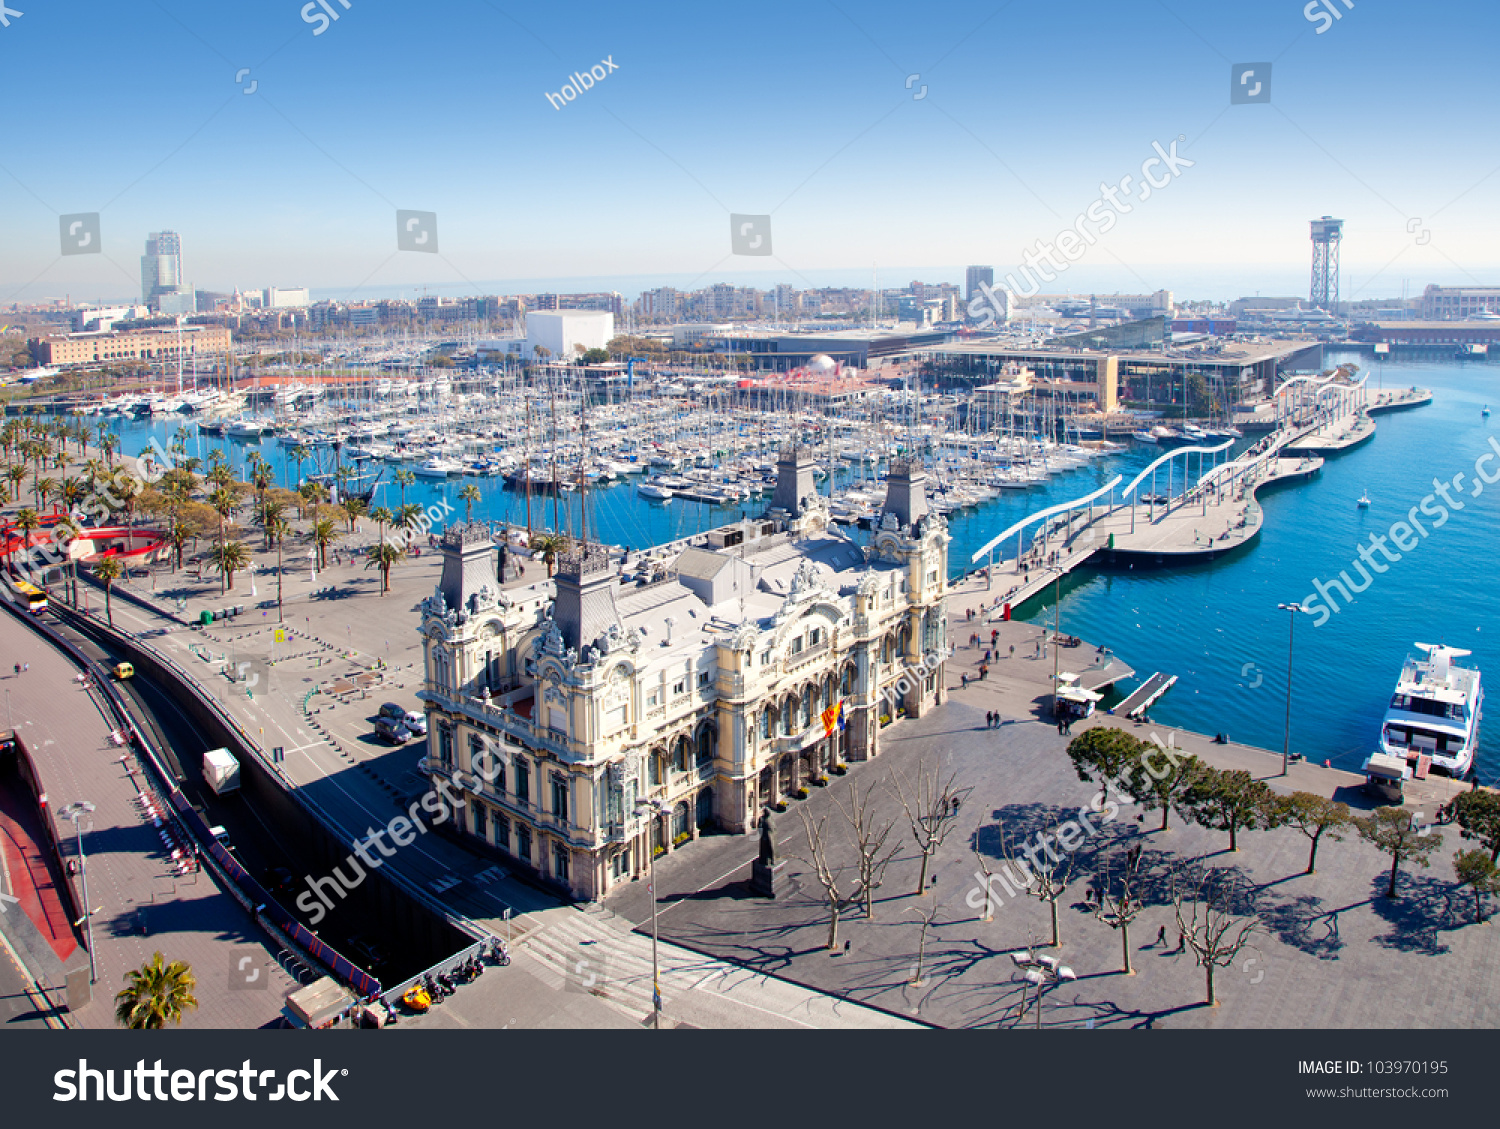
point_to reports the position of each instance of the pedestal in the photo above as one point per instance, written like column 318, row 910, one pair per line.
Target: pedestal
column 763, row 878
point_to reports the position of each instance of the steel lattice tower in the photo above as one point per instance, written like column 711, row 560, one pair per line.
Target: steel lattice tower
column 1326, row 234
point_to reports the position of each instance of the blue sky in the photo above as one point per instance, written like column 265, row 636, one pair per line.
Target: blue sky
column 798, row 110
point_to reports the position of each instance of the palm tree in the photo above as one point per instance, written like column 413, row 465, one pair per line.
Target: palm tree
column 404, row 478
column 178, row 535
column 223, row 502
column 383, row 556
column 407, row 518
column 301, row 452
column 73, row 490
column 262, row 477
column 271, row 514
column 155, row 994
column 109, row 443
column 42, row 489
column 382, row 517
column 27, row 521
column 469, row 494
column 16, row 473
column 278, row 528
column 549, row 545
column 324, row 533
column 229, row 557
column 354, row 508
column 108, row 569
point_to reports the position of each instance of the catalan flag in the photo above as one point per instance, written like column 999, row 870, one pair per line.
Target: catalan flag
column 833, row 718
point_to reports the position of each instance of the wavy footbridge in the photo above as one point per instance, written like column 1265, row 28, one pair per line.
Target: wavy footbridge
column 1192, row 504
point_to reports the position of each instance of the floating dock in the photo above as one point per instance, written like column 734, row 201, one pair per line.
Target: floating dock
column 1146, row 695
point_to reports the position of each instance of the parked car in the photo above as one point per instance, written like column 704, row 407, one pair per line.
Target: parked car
column 393, row 711
column 393, row 731
column 416, row 722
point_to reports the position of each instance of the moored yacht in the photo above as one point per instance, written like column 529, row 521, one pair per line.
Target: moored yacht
column 1432, row 721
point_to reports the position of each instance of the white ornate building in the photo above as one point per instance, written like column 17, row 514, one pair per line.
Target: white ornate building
column 704, row 674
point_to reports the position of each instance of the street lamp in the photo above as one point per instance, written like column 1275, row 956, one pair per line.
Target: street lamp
column 1041, row 970
column 1286, row 742
column 75, row 811
column 657, row 807
column 1056, row 639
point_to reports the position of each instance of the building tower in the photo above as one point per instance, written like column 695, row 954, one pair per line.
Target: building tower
column 973, row 277
column 1326, row 234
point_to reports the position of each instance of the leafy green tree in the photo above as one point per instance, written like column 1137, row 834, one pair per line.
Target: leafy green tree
column 1105, row 755
column 1314, row 816
column 156, row 994
column 324, row 533
column 1477, row 871
column 1477, row 814
column 1229, row 800
column 354, row 508
column 1161, row 779
column 1394, row 832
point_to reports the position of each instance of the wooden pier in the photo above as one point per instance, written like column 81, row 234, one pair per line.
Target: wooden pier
column 1146, row 695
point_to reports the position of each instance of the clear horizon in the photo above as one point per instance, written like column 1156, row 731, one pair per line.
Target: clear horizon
column 281, row 156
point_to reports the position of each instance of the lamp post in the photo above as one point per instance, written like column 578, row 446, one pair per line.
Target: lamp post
column 1056, row 637
column 1286, row 742
column 76, row 811
column 1041, row 970
column 656, row 807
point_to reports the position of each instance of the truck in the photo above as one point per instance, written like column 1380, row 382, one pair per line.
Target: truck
column 221, row 771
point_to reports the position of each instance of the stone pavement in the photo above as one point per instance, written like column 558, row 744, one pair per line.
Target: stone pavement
column 1331, row 950
column 130, row 877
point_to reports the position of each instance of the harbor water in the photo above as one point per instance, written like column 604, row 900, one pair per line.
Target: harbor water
column 1216, row 625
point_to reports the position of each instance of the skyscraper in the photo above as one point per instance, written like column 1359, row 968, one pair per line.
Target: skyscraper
column 973, row 277
column 162, row 287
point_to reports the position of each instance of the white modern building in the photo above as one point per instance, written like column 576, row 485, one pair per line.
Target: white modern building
column 559, row 331
column 285, row 297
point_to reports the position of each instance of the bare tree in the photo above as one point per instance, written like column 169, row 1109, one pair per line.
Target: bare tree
column 828, row 877
column 1045, row 879
column 870, row 835
column 1118, row 904
column 931, row 805
column 927, row 915
column 1210, row 928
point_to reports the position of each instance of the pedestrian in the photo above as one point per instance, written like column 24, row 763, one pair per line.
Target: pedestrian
column 1161, row 936
column 1181, row 940
column 1059, row 727
column 1012, row 650
column 964, row 679
column 18, row 670
column 989, row 719
column 994, row 636
column 25, row 666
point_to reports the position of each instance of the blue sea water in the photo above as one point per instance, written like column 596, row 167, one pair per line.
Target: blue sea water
column 1216, row 626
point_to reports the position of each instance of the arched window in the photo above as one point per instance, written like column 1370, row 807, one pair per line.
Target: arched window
column 680, row 818
column 788, row 716
column 654, row 760
column 828, row 691
column 887, row 650
column 707, row 744
column 680, row 754
column 847, row 687
column 767, row 722
column 807, row 706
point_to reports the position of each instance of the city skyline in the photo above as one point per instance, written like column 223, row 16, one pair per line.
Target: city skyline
column 284, row 153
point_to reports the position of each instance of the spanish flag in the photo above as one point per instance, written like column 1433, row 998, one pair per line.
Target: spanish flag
column 833, row 718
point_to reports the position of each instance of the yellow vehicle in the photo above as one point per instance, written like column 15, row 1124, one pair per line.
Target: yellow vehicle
column 123, row 671
column 416, row 998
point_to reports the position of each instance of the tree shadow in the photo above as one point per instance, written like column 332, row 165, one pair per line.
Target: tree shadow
column 1425, row 907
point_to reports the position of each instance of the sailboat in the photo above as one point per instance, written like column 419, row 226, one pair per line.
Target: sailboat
column 1364, row 501
column 1485, row 411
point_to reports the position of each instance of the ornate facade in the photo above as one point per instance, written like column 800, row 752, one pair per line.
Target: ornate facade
column 711, row 677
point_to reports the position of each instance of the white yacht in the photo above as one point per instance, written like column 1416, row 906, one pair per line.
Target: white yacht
column 1432, row 722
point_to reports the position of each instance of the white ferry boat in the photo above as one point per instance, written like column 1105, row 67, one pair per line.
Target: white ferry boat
column 1432, row 722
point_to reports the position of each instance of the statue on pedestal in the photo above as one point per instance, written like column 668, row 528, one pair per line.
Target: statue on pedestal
column 767, row 844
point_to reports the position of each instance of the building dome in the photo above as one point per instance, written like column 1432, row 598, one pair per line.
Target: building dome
column 822, row 363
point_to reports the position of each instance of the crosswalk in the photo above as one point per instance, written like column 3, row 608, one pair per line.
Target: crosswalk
column 593, row 950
